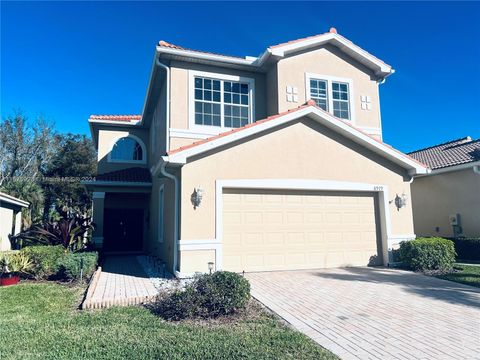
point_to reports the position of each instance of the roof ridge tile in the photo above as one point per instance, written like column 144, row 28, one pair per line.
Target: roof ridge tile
column 468, row 138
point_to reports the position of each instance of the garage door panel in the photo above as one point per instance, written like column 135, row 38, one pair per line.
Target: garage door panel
column 295, row 239
column 295, row 217
column 252, row 239
column 275, row 239
column 232, row 217
column 282, row 230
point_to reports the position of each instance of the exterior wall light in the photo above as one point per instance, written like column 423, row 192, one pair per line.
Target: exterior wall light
column 210, row 267
column 400, row 201
column 196, row 197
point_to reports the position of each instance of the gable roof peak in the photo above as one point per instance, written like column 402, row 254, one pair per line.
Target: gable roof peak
column 278, row 51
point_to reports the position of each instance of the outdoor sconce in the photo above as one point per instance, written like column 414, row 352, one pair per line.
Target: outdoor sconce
column 196, row 197
column 210, row 267
column 400, row 201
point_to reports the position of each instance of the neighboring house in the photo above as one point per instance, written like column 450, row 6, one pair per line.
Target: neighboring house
column 446, row 202
column 10, row 218
column 260, row 163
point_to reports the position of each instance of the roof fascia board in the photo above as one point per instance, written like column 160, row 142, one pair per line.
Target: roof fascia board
column 181, row 157
column 205, row 56
column 454, row 168
column 321, row 117
column 150, row 84
column 13, row 200
column 283, row 50
column 336, row 40
column 113, row 122
column 381, row 68
column 370, row 143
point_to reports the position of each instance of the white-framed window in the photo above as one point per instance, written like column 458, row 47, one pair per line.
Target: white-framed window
column 341, row 100
column 332, row 94
column 128, row 149
column 161, row 212
column 318, row 92
column 219, row 101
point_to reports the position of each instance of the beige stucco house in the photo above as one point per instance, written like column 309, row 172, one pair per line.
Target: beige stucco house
column 446, row 202
column 10, row 218
column 273, row 162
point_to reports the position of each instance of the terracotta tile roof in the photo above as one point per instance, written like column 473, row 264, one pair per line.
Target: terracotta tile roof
column 133, row 174
column 126, row 118
column 273, row 117
column 256, row 123
column 455, row 152
column 163, row 43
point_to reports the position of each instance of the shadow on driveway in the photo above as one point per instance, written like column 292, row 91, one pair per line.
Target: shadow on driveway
column 415, row 283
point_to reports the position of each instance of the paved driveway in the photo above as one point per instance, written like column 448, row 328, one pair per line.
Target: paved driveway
column 376, row 313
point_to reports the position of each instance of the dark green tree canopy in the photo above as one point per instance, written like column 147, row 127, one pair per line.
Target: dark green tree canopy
column 44, row 167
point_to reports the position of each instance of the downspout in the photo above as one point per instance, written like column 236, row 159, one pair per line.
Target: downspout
column 163, row 169
column 476, row 169
column 176, row 212
column 167, row 103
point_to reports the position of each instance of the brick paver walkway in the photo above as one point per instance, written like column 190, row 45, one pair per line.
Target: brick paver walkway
column 376, row 313
column 122, row 282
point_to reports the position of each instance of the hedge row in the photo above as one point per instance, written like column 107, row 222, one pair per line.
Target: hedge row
column 52, row 262
column 467, row 248
column 428, row 254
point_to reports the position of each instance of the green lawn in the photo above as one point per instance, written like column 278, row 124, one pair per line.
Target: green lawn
column 40, row 321
column 465, row 274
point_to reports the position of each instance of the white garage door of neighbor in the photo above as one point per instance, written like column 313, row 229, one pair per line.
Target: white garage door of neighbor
column 286, row 230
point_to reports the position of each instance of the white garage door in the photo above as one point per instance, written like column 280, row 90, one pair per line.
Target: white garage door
column 287, row 230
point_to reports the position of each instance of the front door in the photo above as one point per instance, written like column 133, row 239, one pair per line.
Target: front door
column 123, row 230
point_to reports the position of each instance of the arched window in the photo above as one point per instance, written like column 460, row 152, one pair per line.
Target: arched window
column 127, row 149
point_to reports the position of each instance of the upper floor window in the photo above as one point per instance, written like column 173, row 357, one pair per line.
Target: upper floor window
column 318, row 92
column 127, row 149
column 341, row 105
column 330, row 94
column 222, row 100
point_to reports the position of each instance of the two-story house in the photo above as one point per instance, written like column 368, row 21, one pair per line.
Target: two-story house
column 260, row 163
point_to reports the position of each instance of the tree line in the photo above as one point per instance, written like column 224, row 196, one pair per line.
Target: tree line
column 45, row 167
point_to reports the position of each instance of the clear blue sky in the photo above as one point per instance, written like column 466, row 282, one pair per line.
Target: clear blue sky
column 67, row 60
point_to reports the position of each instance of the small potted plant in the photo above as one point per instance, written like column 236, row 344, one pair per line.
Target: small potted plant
column 11, row 265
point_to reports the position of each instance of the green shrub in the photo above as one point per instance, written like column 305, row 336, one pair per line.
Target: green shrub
column 427, row 254
column 467, row 248
column 46, row 260
column 221, row 293
column 178, row 305
column 70, row 266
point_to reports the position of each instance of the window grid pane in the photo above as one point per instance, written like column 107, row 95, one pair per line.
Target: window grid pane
column 318, row 93
column 209, row 100
column 236, row 104
column 340, row 96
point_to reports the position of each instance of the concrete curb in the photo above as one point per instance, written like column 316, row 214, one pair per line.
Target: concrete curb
column 91, row 288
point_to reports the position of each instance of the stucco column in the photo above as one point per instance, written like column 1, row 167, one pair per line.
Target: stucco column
column 18, row 222
column 98, row 210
